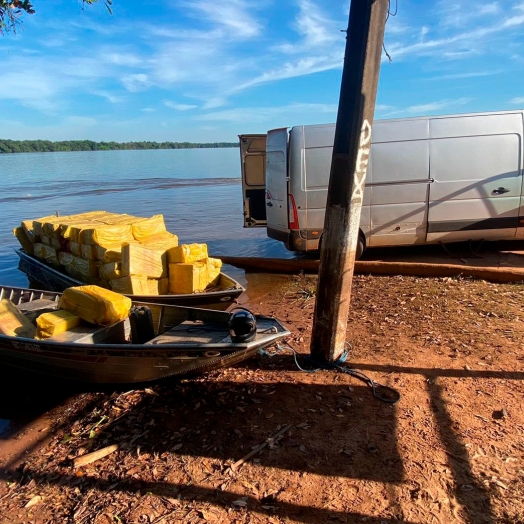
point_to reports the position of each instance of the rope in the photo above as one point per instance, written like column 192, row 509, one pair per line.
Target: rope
column 379, row 391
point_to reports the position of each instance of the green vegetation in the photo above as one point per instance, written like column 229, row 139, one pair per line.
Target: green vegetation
column 11, row 12
column 46, row 146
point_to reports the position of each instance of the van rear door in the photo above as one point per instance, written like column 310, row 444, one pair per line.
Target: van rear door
column 253, row 163
column 277, row 183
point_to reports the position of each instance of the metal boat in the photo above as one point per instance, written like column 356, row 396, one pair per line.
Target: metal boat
column 182, row 340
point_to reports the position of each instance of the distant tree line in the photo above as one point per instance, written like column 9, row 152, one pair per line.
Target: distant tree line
column 45, row 146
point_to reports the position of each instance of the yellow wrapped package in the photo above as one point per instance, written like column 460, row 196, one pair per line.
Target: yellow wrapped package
column 164, row 240
column 88, row 252
column 46, row 253
column 78, row 267
column 106, row 234
column 110, row 271
column 163, row 286
column 96, row 305
column 14, row 323
column 214, row 265
column 72, row 229
column 188, row 278
column 51, row 226
column 55, row 322
column 45, row 240
column 187, row 253
column 115, row 219
column 28, row 229
column 21, row 236
column 141, row 260
column 147, row 227
column 75, row 248
column 140, row 285
column 125, row 285
column 109, row 253
column 38, row 224
column 135, row 285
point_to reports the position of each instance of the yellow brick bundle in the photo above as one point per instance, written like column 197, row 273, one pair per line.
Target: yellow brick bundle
column 141, row 260
column 187, row 253
column 25, row 241
column 14, row 323
column 140, row 285
column 144, row 229
column 95, row 304
column 55, row 322
column 80, row 268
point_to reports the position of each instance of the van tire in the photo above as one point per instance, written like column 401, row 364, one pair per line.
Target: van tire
column 361, row 246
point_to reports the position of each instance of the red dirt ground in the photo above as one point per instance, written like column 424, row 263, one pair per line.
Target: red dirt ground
column 450, row 451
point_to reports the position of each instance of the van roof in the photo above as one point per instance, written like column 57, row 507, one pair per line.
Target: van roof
column 430, row 117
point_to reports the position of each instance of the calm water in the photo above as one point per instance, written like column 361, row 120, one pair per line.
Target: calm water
column 197, row 190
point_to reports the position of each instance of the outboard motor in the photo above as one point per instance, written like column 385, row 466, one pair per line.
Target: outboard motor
column 242, row 325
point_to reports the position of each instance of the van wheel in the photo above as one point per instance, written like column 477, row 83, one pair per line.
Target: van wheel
column 360, row 248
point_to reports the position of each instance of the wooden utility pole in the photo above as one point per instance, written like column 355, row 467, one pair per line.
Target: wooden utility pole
column 364, row 40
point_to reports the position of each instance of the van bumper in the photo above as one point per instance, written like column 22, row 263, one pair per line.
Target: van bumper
column 296, row 240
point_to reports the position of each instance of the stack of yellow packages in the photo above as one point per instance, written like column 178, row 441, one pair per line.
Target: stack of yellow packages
column 89, row 247
column 128, row 254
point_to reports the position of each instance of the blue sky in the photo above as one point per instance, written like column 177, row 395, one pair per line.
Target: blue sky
column 208, row 70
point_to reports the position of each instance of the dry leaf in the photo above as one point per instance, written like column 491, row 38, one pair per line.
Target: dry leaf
column 35, row 500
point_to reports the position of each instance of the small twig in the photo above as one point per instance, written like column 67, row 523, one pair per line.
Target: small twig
column 96, row 455
column 260, row 447
column 164, row 517
column 481, row 417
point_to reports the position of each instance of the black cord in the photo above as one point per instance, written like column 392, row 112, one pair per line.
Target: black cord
column 380, row 392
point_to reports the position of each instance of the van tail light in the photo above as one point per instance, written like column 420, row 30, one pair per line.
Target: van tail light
column 293, row 215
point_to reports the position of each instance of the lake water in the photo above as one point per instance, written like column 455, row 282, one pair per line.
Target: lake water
column 197, row 190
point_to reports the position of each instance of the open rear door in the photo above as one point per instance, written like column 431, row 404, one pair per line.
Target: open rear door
column 253, row 162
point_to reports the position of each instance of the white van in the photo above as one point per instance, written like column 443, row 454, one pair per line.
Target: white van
column 431, row 179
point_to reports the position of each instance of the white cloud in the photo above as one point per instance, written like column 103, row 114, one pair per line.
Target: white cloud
column 33, row 88
column 436, row 106
column 136, row 82
column 178, row 107
column 234, row 15
column 302, row 67
column 114, row 99
column 122, row 59
column 384, row 107
column 81, row 121
column 518, row 100
column 256, row 115
column 316, row 31
column 472, row 74
column 464, row 32
column 213, row 103
column 457, row 14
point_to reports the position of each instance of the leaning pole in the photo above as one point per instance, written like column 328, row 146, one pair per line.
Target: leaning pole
column 364, row 41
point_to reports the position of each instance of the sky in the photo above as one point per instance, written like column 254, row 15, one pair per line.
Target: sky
column 209, row 70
